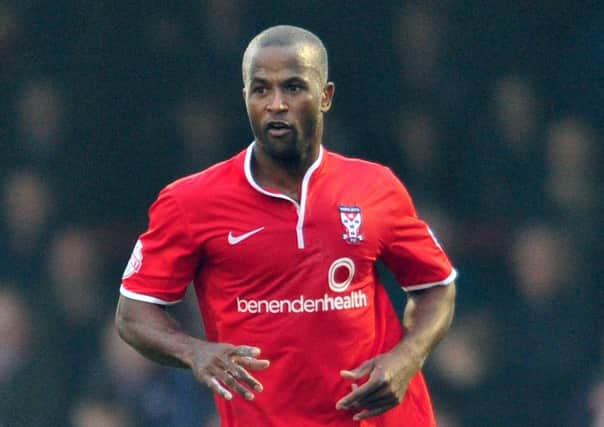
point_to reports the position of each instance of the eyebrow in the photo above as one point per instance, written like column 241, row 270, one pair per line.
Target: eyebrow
column 258, row 80
column 294, row 79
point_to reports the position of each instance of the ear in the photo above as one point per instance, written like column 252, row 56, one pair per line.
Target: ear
column 327, row 96
column 244, row 93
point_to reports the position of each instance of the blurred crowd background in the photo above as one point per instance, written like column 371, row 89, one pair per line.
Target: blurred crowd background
column 490, row 112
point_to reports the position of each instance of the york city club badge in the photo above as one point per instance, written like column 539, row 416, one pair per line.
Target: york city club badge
column 351, row 220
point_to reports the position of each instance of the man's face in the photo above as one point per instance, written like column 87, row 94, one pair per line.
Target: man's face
column 285, row 100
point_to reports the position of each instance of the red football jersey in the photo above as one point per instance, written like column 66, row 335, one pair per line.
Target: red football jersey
column 297, row 280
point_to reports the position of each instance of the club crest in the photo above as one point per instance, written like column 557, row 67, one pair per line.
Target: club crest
column 351, row 220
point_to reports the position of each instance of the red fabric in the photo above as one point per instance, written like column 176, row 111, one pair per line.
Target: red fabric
column 272, row 288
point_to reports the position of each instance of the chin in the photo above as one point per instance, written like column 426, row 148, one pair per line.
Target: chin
column 285, row 154
column 286, row 149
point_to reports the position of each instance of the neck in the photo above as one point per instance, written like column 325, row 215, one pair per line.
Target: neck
column 284, row 175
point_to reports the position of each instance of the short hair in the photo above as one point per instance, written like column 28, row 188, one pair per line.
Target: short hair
column 287, row 35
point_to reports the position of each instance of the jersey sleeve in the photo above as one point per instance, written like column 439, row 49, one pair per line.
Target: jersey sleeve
column 410, row 250
column 164, row 258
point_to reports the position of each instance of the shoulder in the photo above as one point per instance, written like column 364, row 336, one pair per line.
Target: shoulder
column 210, row 180
column 374, row 178
column 362, row 168
column 339, row 160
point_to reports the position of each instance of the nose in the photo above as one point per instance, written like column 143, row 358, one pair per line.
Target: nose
column 277, row 102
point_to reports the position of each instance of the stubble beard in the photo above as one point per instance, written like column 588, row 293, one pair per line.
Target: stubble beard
column 293, row 151
column 287, row 149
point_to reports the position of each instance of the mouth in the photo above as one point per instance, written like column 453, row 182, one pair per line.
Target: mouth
column 278, row 128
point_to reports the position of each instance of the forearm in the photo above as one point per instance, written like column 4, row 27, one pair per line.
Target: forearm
column 151, row 331
column 427, row 318
column 221, row 366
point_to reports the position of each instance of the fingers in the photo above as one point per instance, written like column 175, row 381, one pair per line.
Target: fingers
column 213, row 383
column 245, row 351
column 228, row 379
column 354, row 399
column 358, row 393
column 370, row 413
column 227, row 373
column 387, row 379
column 373, row 398
column 378, row 400
column 349, row 375
column 244, row 357
column 251, row 363
column 358, row 373
column 224, row 383
column 238, row 373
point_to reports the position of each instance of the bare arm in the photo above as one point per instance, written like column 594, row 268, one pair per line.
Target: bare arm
column 428, row 315
column 221, row 366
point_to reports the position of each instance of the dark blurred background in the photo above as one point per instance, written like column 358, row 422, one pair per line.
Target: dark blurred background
column 490, row 112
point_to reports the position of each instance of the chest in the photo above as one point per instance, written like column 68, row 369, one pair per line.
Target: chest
column 252, row 238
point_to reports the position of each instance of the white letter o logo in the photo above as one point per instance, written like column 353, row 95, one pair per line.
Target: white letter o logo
column 348, row 265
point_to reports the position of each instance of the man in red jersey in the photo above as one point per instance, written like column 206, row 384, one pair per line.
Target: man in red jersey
column 280, row 243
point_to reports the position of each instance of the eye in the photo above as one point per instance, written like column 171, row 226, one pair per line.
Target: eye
column 260, row 90
column 294, row 88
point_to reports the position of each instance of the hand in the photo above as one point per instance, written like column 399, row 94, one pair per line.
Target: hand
column 389, row 375
column 224, row 367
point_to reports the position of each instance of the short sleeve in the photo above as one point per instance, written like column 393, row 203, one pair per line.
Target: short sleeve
column 410, row 250
column 164, row 258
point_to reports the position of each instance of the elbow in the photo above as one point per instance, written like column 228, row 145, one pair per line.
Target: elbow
column 450, row 296
column 121, row 319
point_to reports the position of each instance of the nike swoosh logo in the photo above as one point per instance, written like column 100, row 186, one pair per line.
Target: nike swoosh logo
column 233, row 240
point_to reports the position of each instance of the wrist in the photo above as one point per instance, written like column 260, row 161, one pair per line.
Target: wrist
column 411, row 352
column 190, row 350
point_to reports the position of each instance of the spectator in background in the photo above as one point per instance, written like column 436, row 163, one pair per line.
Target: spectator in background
column 32, row 387
column 155, row 396
column 548, row 329
column 446, row 417
column 75, row 303
column 595, row 402
column 501, row 178
column 422, row 65
column 504, row 169
column 15, row 334
column 10, row 31
column 417, row 154
column 220, row 15
column 465, row 368
column 27, row 209
column 203, row 130
column 35, row 128
column 74, row 270
column 573, row 182
column 587, row 406
column 417, row 38
column 40, row 114
column 95, row 412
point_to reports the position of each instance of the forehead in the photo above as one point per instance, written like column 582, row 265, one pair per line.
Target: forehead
column 283, row 61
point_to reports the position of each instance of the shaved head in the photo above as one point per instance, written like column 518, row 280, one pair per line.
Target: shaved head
column 287, row 36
